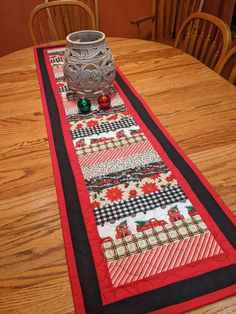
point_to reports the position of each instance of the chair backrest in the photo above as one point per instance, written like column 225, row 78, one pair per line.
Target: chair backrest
column 93, row 4
column 204, row 36
column 169, row 16
column 227, row 66
column 55, row 20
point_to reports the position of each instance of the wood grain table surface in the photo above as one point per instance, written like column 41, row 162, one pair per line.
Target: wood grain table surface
column 196, row 106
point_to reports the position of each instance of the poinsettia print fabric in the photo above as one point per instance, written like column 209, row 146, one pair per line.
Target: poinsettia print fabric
column 140, row 208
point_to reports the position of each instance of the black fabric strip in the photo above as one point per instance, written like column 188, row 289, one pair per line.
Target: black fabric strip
column 208, row 201
column 146, row 302
column 84, row 261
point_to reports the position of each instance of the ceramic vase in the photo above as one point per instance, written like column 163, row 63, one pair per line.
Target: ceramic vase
column 89, row 66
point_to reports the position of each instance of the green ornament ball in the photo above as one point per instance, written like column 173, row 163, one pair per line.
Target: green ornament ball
column 84, row 105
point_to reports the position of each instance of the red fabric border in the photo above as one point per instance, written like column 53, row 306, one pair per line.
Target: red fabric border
column 109, row 296
column 203, row 179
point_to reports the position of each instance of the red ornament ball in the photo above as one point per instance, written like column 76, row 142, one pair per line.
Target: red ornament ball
column 104, row 101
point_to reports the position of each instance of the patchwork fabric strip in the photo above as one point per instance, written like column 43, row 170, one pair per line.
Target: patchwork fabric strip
column 143, row 233
column 110, row 143
column 143, row 203
column 132, row 189
column 114, row 154
column 103, row 168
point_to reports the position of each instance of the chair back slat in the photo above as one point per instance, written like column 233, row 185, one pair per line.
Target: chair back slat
column 214, row 49
column 194, row 37
column 201, row 33
column 206, row 42
column 216, row 56
column 205, row 37
column 227, row 66
column 55, row 20
column 187, row 36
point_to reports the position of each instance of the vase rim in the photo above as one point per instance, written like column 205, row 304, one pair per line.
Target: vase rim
column 96, row 41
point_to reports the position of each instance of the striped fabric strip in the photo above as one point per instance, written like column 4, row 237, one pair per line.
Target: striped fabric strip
column 116, row 153
column 161, row 259
column 120, row 164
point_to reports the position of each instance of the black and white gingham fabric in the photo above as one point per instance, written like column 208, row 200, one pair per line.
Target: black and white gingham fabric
column 103, row 128
column 143, row 203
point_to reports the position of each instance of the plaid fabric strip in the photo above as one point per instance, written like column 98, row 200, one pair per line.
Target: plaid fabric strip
column 153, row 237
column 120, row 164
column 93, row 148
column 106, row 127
column 104, row 182
column 142, row 203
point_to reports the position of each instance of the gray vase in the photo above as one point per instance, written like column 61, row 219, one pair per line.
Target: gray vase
column 89, row 66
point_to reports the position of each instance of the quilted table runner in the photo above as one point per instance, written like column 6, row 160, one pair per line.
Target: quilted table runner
column 143, row 230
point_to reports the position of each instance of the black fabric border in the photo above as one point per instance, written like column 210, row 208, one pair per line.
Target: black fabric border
column 146, row 302
column 83, row 255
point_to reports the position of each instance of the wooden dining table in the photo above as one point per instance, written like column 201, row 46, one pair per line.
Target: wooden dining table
column 195, row 105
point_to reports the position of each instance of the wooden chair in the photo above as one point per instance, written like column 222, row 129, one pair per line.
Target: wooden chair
column 94, row 5
column 167, row 17
column 204, row 36
column 55, row 20
column 227, row 66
